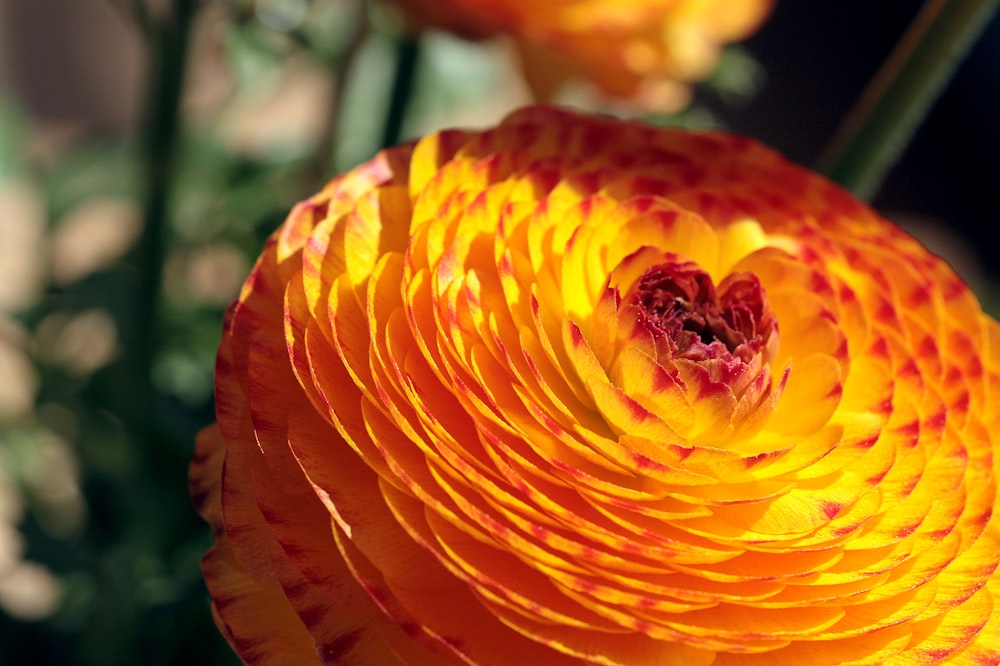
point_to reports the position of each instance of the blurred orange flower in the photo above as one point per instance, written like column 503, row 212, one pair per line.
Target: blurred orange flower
column 642, row 50
column 573, row 390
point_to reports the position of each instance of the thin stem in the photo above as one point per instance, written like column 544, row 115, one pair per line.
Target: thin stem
column 407, row 54
column 890, row 110
column 323, row 158
column 168, row 61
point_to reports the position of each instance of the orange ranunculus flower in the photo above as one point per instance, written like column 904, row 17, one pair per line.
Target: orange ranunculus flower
column 574, row 390
column 645, row 50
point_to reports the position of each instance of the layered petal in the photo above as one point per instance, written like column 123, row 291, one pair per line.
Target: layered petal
column 572, row 390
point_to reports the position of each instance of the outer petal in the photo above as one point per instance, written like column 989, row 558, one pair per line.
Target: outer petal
column 449, row 432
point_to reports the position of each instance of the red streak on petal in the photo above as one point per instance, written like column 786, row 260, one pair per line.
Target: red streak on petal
column 937, row 421
column 909, row 369
column 884, row 407
column 927, row 347
column 911, row 429
column 867, row 443
column 663, row 382
column 847, row 529
column 847, row 295
column 908, row 488
column 881, row 279
column 954, row 289
column 642, row 626
column 632, row 548
column 876, row 479
column 598, row 137
column 452, row 642
column 843, row 350
column 638, row 412
column 809, row 255
column 410, row 628
column 592, row 181
column 782, row 204
column 907, row 530
column 572, row 237
column 709, row 202
column 506, row 265
column 527, row 134
column 753, row 461
column 919, row 297
column 983, row 519
column 546, row 179
column 852, row 255
column 645, row 204
column 683, row 452
column 938, row 654
column 552, row 425
column 832, row 509
column 937, row 535
column 820, row 285
column 886, row 312
column 644, row 462
column 709, row 389
column 880, row 349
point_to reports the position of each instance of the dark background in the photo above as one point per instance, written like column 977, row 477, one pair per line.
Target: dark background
column 74, row 81
column 819, row 57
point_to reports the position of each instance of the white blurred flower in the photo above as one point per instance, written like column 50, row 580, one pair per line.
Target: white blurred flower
column 210, row 274
column 29, row 591
column 81, row 342
column 91, row 236
column 22, row 244
column 20, row 380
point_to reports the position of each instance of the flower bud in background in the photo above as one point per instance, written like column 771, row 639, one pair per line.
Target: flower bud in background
column 642, row 51
column 572, row 390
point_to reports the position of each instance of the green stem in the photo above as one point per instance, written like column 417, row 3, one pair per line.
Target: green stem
column 319, row 168
column 168, row 61
column 407, row 53
column 890, row 110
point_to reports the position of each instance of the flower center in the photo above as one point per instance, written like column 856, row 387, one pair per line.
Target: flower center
column 679, row 303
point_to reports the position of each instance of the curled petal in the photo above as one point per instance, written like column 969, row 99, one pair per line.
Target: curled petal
column 571, row 390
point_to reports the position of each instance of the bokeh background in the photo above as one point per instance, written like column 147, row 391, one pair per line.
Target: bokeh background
column 133, row 201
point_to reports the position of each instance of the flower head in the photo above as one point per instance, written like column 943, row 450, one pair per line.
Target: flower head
column 643, row 50
column 573, row 390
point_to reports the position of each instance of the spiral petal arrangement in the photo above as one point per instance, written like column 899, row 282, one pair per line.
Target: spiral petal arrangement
column 573, row 390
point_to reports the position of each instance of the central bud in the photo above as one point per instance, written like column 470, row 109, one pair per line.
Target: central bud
column 677, row 301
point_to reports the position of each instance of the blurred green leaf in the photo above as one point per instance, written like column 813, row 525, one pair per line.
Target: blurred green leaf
column 90, row 170
column 737, row 78
column 12, row 124
column 360, row 129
